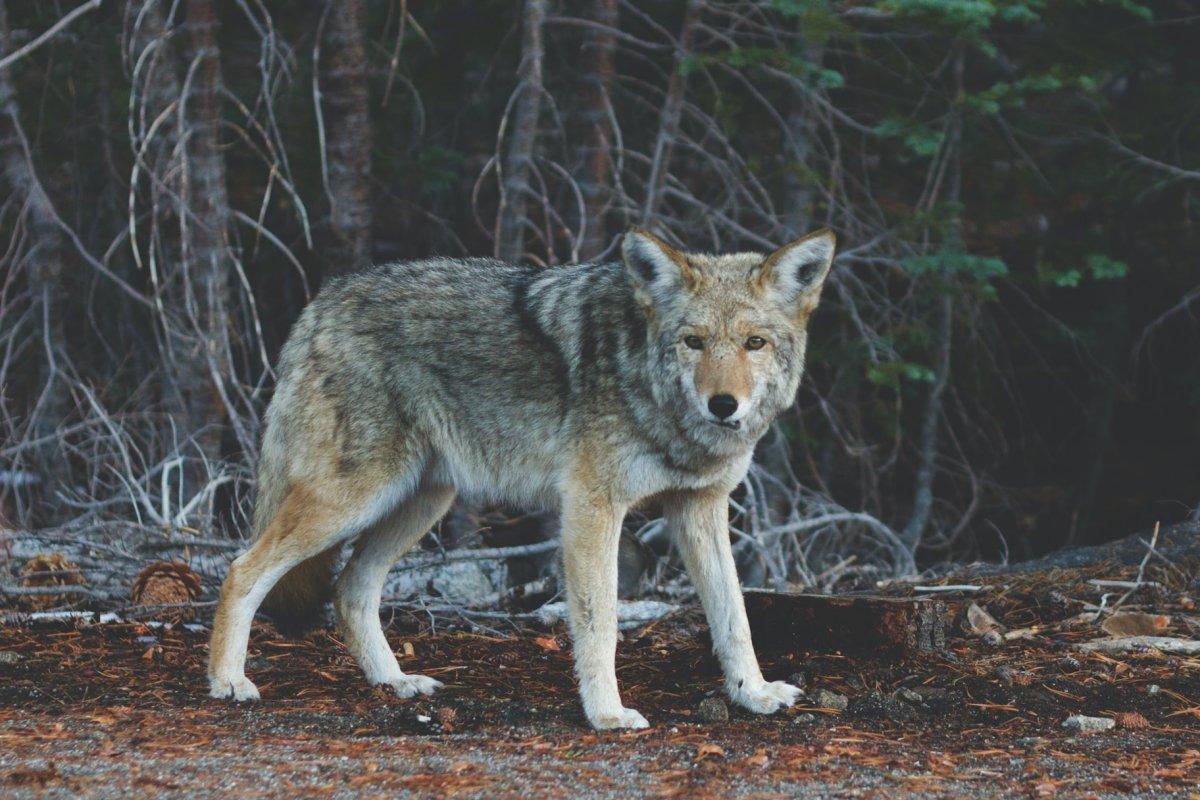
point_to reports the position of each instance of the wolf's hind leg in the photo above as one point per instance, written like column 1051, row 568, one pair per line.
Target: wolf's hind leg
column 358, row 588
column 311, row 518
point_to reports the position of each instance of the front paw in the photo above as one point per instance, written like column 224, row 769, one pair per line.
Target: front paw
column 763, row 697
column 236, row 687
column 621, row 718
column 413, row 685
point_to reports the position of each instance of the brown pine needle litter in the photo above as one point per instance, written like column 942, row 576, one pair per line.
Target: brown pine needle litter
column 121, row 709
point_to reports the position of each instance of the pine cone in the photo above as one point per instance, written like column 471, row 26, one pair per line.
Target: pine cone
column 49, row 569
column 1132, row 720
column 166, row 583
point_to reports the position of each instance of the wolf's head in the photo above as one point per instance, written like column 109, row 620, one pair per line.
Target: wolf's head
column 727, row 333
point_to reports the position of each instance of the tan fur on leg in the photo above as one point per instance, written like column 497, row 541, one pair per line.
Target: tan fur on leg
column 357, row 593
column 591, row 525
column 699, row 522
column 312, row 518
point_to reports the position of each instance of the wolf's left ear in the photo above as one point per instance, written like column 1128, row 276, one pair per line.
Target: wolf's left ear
column 796, row 272
column 658, row 270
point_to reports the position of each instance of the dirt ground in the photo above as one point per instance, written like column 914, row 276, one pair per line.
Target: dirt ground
column 119, row 710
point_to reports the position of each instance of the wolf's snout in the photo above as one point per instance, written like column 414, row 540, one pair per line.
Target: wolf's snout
column 722, row 406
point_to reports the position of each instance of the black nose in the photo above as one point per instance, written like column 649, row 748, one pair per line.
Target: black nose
column 722, row 405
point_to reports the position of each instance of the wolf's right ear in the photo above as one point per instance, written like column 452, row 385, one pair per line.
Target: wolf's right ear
column 657, row 270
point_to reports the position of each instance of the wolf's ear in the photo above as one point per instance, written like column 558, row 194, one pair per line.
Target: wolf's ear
column 795, row 273
column 657, row 270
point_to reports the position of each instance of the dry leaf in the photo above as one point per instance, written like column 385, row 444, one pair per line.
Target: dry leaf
column 547, row 643
column 1134, row 623
column 981, row 622
column 708, row 749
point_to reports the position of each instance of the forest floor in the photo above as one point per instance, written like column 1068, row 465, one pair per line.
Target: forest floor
column 120, row 710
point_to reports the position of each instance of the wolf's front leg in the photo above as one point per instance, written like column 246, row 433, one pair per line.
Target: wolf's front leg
column 591, row 527
column 700, row 524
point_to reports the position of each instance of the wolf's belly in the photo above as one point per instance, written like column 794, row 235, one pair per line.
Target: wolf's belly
column 522, row 478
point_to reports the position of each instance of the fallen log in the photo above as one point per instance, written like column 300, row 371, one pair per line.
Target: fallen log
column 1175, row 543
column 1133, row 644
column 853, row 624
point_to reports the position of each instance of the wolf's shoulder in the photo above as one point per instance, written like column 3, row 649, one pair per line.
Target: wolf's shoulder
column 479, row 273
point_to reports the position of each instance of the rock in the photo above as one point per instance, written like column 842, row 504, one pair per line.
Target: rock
column 712, row 709
column 877, row 705
column 1081, row 724
column 827, row 699
column 1014, row 677
column 1153, row 688
column 906, row 695
column 804, row 719
column 464, row 581
column 9, row 657
column 257, row 664
column 936, row 699
column 799, row 680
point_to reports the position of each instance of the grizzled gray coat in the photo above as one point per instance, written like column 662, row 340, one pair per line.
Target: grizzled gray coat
column 587, row 388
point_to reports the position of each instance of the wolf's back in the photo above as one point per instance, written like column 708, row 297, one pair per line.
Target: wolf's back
column 457, row 348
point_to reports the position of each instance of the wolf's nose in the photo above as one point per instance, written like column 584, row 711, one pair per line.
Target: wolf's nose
column 722, row 405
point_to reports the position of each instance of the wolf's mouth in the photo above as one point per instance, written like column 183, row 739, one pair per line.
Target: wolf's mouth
column 724, row 423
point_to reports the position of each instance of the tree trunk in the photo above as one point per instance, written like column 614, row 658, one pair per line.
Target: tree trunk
column 204, row 233
column 598, row 72
column 348, row 138
column 672, row 112
column 522, row 137
column 797, row 181
column 927, row 441
column 44, row 273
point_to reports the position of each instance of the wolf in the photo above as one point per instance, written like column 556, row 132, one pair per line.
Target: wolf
column 589, row 389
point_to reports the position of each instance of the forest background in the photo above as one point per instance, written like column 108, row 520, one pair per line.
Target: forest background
column 1007, row 361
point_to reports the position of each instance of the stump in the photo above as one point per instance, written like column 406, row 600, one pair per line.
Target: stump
column 856, row 624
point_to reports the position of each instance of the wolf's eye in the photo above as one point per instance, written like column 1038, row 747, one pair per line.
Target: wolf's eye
column 755, row 343
column 694, row 342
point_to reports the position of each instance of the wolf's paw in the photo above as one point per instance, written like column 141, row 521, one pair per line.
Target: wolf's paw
column 765, row 698
column 621, row 718
column 413, row 685
column 238, row 688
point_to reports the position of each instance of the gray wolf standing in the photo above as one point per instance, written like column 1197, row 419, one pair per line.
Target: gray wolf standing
column 588, row 388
